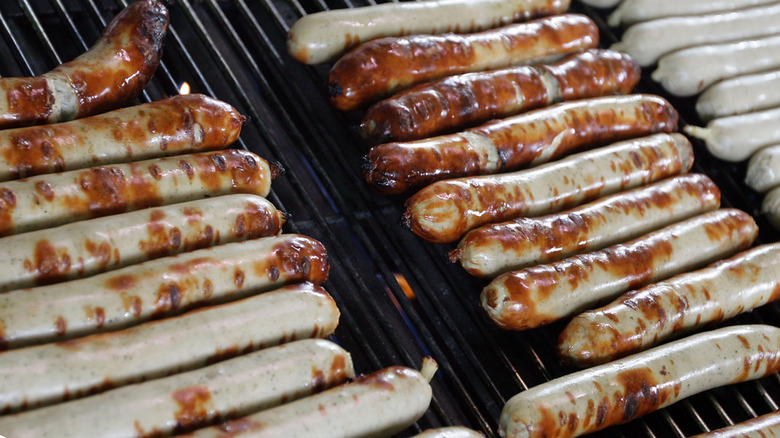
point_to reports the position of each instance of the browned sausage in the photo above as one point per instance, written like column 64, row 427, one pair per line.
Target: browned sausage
column 180, row 124
column 508, row 144
column 113, row 71
column 468, row 99
column 383, row 66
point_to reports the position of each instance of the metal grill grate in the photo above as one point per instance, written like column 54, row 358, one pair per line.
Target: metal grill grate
column 235, row 51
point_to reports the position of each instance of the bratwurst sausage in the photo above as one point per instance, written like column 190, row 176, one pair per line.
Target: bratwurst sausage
column 472, row 98
column 763, row 169
column 644, row 317
column 85, row 248
column 50, row 200
column 381, row 67
column 496, row 248
column 113, row 71
column 178, row 125
column 324, row 36
column 524, row 140
column 736, row 138
column 629, row 388
column 46, row 374
column 158, row 288
column 445, row 210
column 635, row 11
column 765, row 426
column 541, row 294
column 740, row 95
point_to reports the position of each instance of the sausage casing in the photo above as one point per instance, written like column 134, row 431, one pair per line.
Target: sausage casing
column 541, row 294
column 50, row 200
column 113, row 71
column 740, row 95
column 736, row 138
column 445, row 210
column 85, row 248
column 635, row 11
column 380, row 404
column 45, row 374
column 324, row 36
column 763, row 169
column 644, row 317
column 382, row 67
column 765, row 426
column 198, row 398
column 770, row 207
column 496, row 248
column 508, row 144
column 178, row 125
column 618, row 392
column 157, row 288
column 468, row 99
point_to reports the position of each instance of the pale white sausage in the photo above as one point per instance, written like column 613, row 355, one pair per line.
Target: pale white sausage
column 763, row 169
column 601, row 3
column 739, row 95
column 633, row 11
column 450, row 432
column 736, row 138
column 765, row 426
column 770, row 207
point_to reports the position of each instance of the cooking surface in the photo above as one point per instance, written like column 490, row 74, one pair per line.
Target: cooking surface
column 400, row 298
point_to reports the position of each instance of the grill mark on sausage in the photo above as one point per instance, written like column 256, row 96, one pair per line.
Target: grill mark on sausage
column 49, row 263
column 29, row 101
column 7, row 205
column 194, row 406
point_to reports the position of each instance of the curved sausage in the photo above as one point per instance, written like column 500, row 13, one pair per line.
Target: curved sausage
column 689, row 71
column 621, row 391
column 85, row 248
column 178, row 125
column 740, row 95
column 634, row 11
column 642, row 318
column 380, row 404
column 736, row 138
column 50, row 200
column 198, row 398
column 524, row 140
column 765, row 426
column 158, row 288
column 324, row 36
column 46, row 374
column 381, row 67
column 497, row 248
column 113, row 71
column 647, row 42
column 472, row 98
column 763, row 169
column 445, row 210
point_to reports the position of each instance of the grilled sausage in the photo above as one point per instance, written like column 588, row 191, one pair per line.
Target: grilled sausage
column 739, row 95
column 450, row 432
column 181, row 124
column 525, row 140
column 541, row 294
column 601, row 3
column 158, row 288
column 85, row 248
column 634, row 11
column 113, row 71
column 382, row 67
column 689, row 71
column 198, row 398
column 736, row 138
column 45, row 374
column 765, row 426
column 445, row 210
column 380, row 404
column 763, row 169
column 472, row 98
column 50, row 200
column 648, row 316
column 621, row 391
column 647, row 42
column 497, row 248
column 770, row 207
column 324, row 36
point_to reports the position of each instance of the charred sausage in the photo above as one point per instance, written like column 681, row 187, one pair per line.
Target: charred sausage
column 158, row 288
column 198, row 398
column 497, row 248
column 79, row 367
column 178, row 125
column 384, row 66
column 541, row 294
column 621, row 391
column 468, row 99
column 445, row 210
column 113, row 71
column 644, row 317
column 85, row 248
column 50, row 200
column 524, row 140
column 324, row 36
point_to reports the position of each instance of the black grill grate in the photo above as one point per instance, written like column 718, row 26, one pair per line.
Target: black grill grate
column 235, row 51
